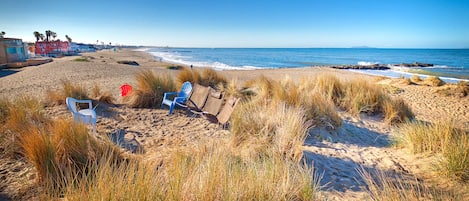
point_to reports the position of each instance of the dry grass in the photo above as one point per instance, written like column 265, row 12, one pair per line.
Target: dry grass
column 54, row 147
column 104, row 97
column 433, row 81
column 150, row 89
column 318, row 96
column 384, row 186
column 61, row 149
column 210, row 77
column 204, row 77
column 406, row 81
column 415, row 79
column 268, row 128
column 186, row 74
column 396, row 111
column 206, row 173
column 442, row 139
column 4, row 105
column 76, row 91
column 231, row 89
column 361, row 96
column 328, row 85
column 461, row 89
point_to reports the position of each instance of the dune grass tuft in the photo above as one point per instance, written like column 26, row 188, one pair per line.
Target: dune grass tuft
column 406, row 81
column 186, row 74
column 396, row 111
column 461, row 89
column 268, row 128
column 104, row 97
column 443, row 139
column 208, row 172
column 415, row 79
column 150, row 89
column 434, row 81
column 210, row 77
column 204, row 77
column 382, row 185
column 330, row 86
column 361, row 96
column 68, row 90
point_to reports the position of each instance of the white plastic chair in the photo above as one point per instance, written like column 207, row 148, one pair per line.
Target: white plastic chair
column 87, row 116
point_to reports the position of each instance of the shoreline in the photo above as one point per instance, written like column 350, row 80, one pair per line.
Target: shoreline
column 392, row 71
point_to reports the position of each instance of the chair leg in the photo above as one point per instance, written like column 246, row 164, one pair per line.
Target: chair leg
column 171, row 108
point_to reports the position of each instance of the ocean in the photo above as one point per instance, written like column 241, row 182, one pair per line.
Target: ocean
column 451, row 65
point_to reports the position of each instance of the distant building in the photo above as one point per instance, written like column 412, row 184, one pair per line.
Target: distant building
column 52, row 48
column 79, row 47
column 12, row 50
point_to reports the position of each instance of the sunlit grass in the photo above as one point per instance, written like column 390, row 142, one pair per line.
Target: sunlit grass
column 209, row 172
column 382, row 185
column 150, row 89
column 68, row 89
column 442, row 139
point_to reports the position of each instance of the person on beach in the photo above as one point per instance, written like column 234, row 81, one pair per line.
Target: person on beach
column 191, row 66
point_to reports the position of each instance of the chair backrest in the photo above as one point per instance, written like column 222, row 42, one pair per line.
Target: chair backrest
column 71, row 104
column 186, row 89
column 214, row 102
column 198, row 96
column 227, row 110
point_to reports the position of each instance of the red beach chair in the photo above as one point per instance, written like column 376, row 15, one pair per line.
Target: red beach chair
column 125, row 89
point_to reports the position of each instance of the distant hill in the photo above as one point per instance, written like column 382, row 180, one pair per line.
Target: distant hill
column 362, row 47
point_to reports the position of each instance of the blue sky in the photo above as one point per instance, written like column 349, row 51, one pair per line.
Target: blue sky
column 245, row 23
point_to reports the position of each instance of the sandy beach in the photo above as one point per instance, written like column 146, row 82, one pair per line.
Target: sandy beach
column 149, row 133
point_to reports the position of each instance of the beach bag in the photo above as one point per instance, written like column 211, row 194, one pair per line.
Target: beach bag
column 125, row 89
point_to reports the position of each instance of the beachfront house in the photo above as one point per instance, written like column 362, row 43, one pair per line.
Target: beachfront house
column 52, row 48
column 79, row 47
column 12, row 50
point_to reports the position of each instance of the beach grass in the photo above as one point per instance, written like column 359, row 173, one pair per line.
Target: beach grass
column 103, row 97
column 259, row 129
column 73, row 164
column 433, row 81
column 207, row 172
column 382, row 185
column 68, row 89
column 204, row 77
column 449, row 143
column 461, row 89
column 415, row 79
column 396, row 111
column 150, row 89
column 361, row 96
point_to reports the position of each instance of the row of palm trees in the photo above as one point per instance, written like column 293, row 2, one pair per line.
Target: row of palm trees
column 49, row 34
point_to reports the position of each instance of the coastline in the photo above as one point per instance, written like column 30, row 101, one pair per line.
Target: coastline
column 265, row 58
column 361, row 141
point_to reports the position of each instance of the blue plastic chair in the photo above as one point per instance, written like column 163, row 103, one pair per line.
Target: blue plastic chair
column 172, row 98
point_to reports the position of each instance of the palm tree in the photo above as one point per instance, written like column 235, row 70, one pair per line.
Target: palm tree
column 41, row 36
column 37, row 35
column 68, row 38
column 48, row 35
column 2, row 34
column 54, row 35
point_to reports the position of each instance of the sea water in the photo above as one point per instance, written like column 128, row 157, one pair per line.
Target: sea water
column 449, row 64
